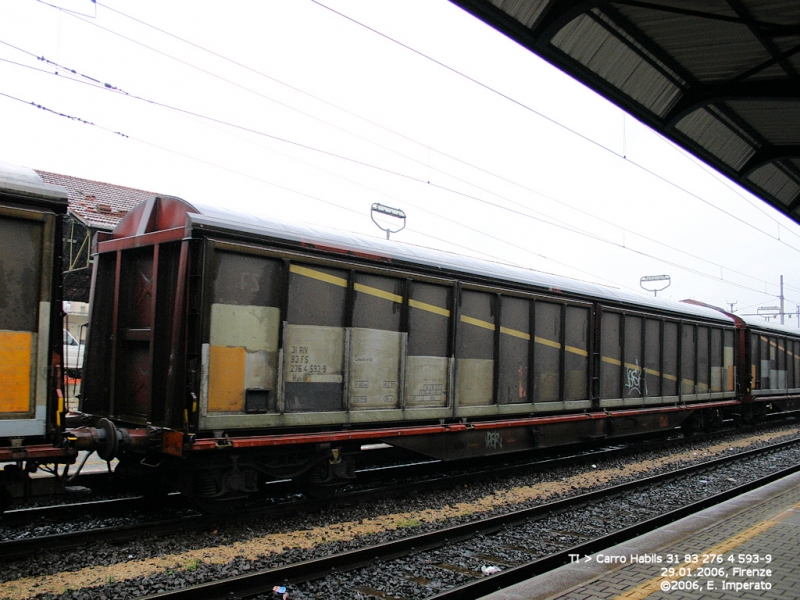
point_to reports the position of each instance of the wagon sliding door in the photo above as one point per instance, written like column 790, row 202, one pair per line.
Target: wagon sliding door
column 314, row 342
column 246, row 295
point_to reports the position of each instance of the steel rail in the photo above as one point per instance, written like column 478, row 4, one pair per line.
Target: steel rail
column 244, row 586
column 21, row 547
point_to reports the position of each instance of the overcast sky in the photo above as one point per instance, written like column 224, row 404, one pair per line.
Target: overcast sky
column 312, row 111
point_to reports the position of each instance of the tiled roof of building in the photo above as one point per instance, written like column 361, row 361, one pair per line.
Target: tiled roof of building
column 99, row 205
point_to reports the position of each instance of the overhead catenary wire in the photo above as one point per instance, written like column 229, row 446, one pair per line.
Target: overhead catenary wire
column 390, row 130
column 459, row 73
column 77, row 119
column 542, row 115
column 94, row 82
column 549, row 223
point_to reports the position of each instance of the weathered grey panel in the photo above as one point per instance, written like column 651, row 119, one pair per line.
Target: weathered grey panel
column 375, row 368
column 426, row 381
column 20, row 274
column 474, row 381
column 252, row 327
column 313, row 368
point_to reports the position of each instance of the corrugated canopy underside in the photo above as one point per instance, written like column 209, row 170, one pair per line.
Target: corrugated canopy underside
column 719, row 77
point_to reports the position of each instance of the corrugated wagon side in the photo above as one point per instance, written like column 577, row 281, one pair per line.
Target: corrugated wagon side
column 226, row 349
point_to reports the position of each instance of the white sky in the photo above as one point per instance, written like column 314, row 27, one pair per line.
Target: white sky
column 489, row 150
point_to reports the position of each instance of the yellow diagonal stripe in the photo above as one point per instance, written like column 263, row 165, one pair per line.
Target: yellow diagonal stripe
column 429, row 307
column 546, row 342
column 477, row 322
column 365, row 289
column 575, row 350
column 515, row 333
column 318, row 275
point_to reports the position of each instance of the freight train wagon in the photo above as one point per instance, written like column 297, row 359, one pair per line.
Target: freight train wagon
column 31, row 403
column 226, row 349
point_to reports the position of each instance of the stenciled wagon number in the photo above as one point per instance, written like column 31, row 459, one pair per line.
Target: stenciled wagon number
column 308, row 368
column 298, row 359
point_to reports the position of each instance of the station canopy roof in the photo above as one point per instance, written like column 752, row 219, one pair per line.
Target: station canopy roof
column 721, row 78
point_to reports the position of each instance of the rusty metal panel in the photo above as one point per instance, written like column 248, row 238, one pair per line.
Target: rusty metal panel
column 132, row 354
column 781, row 363
column 426, row 381
column 375, row 369
column 97, row 374
column 137, row 306
column 313, row 368
column 133, row 381
column 475, row 349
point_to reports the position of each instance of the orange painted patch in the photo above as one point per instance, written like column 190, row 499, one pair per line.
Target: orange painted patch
column 15, row 371
column 226, row 379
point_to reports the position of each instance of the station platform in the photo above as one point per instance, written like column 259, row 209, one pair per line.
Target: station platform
column 746, row 547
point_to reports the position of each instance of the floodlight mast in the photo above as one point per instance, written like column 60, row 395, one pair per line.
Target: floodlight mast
column 652, row 278
column 389, row 212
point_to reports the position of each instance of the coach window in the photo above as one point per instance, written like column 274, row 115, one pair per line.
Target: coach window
column 547, row 352
column 314, row 344
column 652, row 357
column 576, row 353
column 610, row 356
column 475, row 349
column 688, row 359
column 428, row 346
column 670, row 373
column 703, row 364
column 633, row 381
column 514, row 341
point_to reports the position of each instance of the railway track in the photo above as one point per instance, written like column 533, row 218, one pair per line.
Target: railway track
column 216, row 552
column 64, row 527
column 511, row 533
